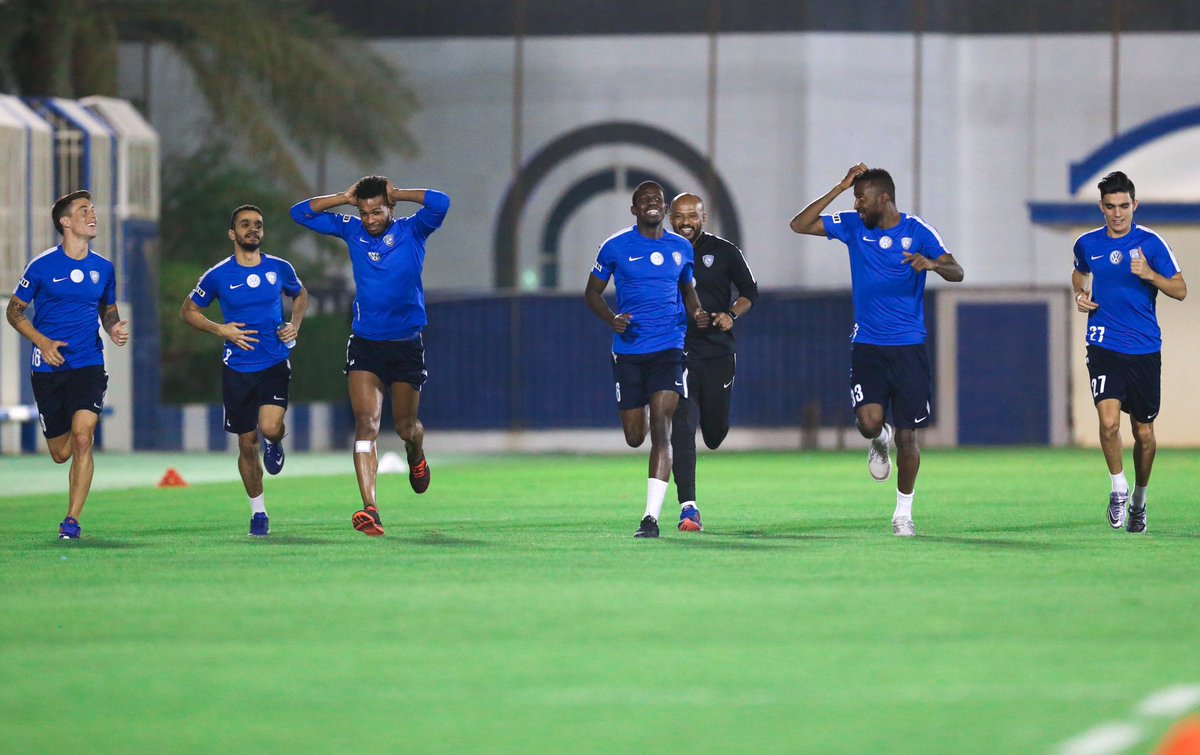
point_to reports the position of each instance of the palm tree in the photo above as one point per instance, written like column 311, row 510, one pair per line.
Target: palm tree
column 275, row 74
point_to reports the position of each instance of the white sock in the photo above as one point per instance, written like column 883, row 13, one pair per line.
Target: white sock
column 685, row 504
column 1119, row 483
column 656, row 490
column 903, row 505
column 1139, row 497
column 257, row 505
column 883, row 438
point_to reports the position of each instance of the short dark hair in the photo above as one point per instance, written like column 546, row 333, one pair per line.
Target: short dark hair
column 369, row 187
column 881, row 179
column 647, row 185
column 63, row 204
column 1116, row 183
column 240, row 210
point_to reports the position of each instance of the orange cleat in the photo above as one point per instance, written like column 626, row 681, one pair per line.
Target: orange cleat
column 418, row 477
column 367, row 522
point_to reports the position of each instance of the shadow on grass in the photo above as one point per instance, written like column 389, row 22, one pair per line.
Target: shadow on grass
column 87, row 544
column 439, row 539
column 987, row 542
column 294, row 540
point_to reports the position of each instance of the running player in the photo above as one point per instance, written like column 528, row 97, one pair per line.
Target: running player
column 719, row 268
column 1119, row 270
column 890, row 252
column 257, row 373
column 73, row 287
column 385, row 352
column 653, row 273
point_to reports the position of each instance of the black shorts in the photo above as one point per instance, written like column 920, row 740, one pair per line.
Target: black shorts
column 244, row 392
column 60, row 394
column 1133, row 379
column 390, row 361
column 893, row 375
column 640, row 376
column 710, row 388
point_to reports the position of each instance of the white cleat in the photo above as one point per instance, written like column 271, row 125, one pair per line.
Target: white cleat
column 879, row 462
column 902, row 526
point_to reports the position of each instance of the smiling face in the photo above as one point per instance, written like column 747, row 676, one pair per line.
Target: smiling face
column 870, row 202
column 1118, row 212
column 376, row 215
column 649, row 205
column 247, row 231
column 688, row 216
column 80, row 219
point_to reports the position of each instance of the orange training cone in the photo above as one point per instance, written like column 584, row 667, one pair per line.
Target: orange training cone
column 172, row 480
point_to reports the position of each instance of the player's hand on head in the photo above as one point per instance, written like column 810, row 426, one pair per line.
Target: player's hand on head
column 852, row 174
column 351, row 194
column 387, row 194
column 620, row 323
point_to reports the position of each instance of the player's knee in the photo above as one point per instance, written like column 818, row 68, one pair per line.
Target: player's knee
column 271, row 428
column 248, row 444
column 408, row 429
column 61, row 455
column 714, row 437
column 1143, row 433
column 634, row 438
column 81, row 441
column 366, row 426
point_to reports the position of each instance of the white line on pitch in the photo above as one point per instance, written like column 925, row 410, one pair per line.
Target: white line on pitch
column 1118, row 736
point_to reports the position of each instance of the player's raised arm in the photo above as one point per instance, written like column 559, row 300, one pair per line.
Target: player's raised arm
column 808, row 220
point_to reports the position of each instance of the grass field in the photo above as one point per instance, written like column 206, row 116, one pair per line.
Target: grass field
column 509, row 609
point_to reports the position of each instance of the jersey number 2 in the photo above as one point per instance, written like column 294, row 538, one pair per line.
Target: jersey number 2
column 1096, row 333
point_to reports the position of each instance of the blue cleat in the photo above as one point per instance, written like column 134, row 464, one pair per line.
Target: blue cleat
column 260, row 525
column 689, row 520
column 69, row 529
column 272, row 456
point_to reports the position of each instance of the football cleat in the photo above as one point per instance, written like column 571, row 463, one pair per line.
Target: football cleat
column 272, row 456
column 367, row 521
column 1116, row 509
column 648, row 527
column 879, row 462
column 260, row 525
column 418, row 477
column 689, row 520
column 1137, row 520
column 69, row 529
column 902, row 526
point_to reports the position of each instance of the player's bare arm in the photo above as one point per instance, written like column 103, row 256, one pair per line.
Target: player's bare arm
column 416, row 196
column 808, row 220
column 230, row 331
column 1173, row 287
column 945, row 265
column 329, row 201
column 291, row 330
column 116, row 328
column 49, row 349
column 691, row 300
column 593, row 295
column 1083, row 294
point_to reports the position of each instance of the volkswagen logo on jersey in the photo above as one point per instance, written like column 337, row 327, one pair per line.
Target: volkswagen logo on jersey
column 905, row 243
column 885, row 242
column 677, row 257
column 389, row 239
column 77, row 276
column 271, row 278
column 707, row 260
column 253, row 280
column 656, row 258
column 374, row 256
column 1116, row 257
column 95, row 275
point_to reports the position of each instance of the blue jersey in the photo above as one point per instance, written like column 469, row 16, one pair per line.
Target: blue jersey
column 647, row 274
column 1126, row 321
column 889, row 296
column 389, row 299
column 69, row 295
column 250, row 295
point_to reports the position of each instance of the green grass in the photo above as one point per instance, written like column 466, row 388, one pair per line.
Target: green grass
column 509, row 609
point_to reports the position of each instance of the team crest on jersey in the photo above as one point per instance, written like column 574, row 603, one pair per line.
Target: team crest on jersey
column 389, row 239
column 707, row 260
column 677, row 257
column 1116, row 257
column 253, row 281
column 1135, row 253
column 656, row 258
column 374, row 256
column 885, row 242
column 95, row 275
column 906, row 243
column 271, row 277
column 77, row 276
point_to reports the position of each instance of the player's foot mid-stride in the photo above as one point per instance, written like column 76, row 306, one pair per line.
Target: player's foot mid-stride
column 689, row 519
column 367, row 521
column 1117, row 503
column 648, row 527
column 879, row 460
column 260, row 524
column 1137, row 519
column 69, row 529
column 418, row 476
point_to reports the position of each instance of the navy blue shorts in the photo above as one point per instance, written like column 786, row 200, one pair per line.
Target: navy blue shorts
column 895, row 376
column 244, row 392
column 640, row 376
column 390, row 361
column 1133, row 379
column 60, row 394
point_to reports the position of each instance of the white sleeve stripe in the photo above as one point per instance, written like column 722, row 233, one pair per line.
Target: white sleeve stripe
column 932, row 230
column 1166, row 246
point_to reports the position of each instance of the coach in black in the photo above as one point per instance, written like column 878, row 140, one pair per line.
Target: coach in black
column 719, row 268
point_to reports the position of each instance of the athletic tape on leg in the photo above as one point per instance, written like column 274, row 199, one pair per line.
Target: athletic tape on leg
column 364, row 446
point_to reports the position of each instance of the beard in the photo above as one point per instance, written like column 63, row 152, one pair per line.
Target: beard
column 250, row 246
